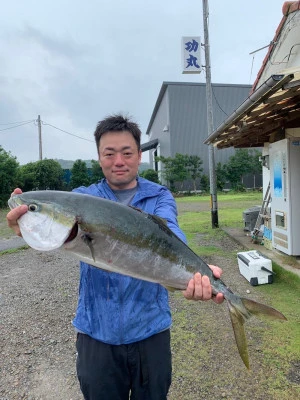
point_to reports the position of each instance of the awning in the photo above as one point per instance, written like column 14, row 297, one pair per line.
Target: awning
column 149, row 145
column 273, row 107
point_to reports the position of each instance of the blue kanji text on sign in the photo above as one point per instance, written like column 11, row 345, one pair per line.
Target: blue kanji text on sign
column 192, row 62
column 191, row 46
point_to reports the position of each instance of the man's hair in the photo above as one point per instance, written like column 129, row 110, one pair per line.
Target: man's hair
column 117, row 123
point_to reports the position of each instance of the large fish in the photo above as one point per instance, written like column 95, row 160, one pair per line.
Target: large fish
column 123, row 239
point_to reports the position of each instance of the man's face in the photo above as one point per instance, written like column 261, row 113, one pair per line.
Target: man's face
column 119, row 159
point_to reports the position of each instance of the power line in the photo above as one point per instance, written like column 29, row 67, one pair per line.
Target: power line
column 12, row 127
column 18, row 122
column 68, row 133
column 218, row 104
column 21, row 123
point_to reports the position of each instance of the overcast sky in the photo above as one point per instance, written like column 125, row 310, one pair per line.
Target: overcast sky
column 74, row 62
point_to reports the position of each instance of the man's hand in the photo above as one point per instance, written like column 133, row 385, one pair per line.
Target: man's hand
column 15, row 214
column 199, row 288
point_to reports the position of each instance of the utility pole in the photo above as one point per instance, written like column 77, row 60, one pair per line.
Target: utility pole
column 210, row 122
column 40, row 137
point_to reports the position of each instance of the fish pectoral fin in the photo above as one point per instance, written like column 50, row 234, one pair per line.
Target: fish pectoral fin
column 262, row 310
column 88, row 240
column 237, row 321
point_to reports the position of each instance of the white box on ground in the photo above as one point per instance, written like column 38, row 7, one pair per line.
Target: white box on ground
column 255, row 267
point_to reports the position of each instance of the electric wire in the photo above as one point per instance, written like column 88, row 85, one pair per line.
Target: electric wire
column 218, row 104
column 21, row 123
column 68, row 133
column 251, row 69
column 12, row 127
column 18, row 122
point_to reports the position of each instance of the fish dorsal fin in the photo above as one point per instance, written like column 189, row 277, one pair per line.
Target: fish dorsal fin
column 136, row 209
column 162, row 223
column 158, row 219
column 155, row 218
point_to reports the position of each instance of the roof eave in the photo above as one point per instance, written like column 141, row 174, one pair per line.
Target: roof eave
column 269, row 87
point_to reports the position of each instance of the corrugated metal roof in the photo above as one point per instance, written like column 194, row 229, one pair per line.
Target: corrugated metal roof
column 273, row 107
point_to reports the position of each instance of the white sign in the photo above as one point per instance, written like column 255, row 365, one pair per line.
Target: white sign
column 190, row 50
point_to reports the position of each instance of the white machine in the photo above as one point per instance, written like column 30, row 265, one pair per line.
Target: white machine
column 255, row 267
column 285, row 193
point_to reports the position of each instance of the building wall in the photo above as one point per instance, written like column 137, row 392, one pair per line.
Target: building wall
column 160, row 129
column 183, row 110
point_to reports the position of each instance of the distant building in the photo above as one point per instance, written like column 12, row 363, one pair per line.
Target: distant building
column 179, row 123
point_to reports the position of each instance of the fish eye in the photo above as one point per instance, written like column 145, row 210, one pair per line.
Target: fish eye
column 32, row 207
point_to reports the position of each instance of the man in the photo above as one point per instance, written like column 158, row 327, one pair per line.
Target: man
column 123, row 323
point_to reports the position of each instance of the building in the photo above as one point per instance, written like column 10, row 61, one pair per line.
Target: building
column 179, row 122
column 270, row 117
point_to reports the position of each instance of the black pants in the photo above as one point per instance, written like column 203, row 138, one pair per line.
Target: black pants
column 139, row 371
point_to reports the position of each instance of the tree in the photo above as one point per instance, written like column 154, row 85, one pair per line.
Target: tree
column 167, row 172
column 8, row 175
column 204, row 183
column 79, row 174
column 96, row 172
column 150, row 174
column 49, row 175
column 41, row 175
column 175, row 169
column 237, row 166
column 255, row 163
column 194, row 165
column 245, row 161
column 221, row 176
column 181, row 168
column 27, row 177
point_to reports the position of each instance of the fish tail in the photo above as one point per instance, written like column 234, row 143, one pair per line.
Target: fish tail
column 240, row 311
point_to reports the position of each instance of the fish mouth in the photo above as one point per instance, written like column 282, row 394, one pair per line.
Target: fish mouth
column 13, row 203
column 73, row 233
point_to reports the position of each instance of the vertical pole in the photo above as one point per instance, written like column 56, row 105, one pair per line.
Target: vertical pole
column 40, row 137
column 210, row 124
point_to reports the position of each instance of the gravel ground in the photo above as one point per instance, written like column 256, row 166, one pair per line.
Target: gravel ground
column 14, row 242
column 37, row 343
column 38, row 299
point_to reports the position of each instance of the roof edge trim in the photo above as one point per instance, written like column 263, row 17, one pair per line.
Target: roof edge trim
column 264, row 91
column 150, row 145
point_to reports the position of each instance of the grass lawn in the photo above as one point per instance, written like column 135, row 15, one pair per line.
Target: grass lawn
column 281, row 342
column 5, row 231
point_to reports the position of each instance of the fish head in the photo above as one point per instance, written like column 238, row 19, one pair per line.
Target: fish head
column 46, row 225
